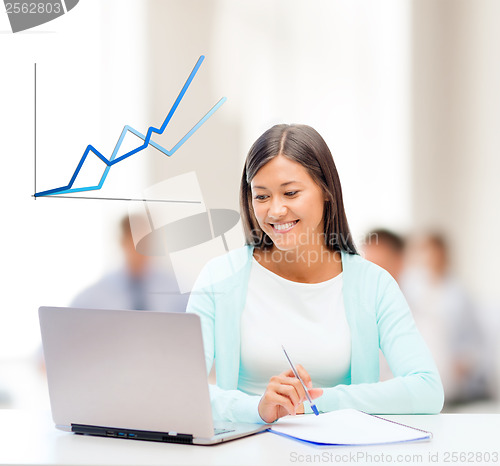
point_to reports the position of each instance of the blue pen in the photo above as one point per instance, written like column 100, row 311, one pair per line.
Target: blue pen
column 313, row 406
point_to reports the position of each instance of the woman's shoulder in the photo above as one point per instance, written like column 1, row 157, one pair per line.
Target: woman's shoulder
column 363, row 273
column 370, row 286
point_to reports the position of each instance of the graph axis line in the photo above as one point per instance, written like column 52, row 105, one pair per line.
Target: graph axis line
column 170, row 201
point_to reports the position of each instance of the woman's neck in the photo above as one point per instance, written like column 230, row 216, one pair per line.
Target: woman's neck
column 305, row 266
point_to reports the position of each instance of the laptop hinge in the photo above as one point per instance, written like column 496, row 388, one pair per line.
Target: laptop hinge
column 169, row 437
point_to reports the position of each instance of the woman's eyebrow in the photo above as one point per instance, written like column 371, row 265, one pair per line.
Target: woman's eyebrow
column 281, row 185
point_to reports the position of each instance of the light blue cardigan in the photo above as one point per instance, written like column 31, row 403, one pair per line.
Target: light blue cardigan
column 378, row 317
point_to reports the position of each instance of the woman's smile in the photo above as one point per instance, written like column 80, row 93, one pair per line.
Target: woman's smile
column 283, row 227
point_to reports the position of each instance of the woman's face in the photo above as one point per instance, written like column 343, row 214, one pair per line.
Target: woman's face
column 288, row 204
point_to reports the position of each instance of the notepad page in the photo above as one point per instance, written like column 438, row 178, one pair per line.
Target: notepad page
column 346, row 427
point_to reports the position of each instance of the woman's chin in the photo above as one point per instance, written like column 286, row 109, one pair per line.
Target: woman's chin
column 284, row 246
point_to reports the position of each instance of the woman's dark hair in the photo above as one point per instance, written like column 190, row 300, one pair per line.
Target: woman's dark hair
column 302, row 144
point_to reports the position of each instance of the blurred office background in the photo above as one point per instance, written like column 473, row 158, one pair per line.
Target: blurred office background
column 405, row 92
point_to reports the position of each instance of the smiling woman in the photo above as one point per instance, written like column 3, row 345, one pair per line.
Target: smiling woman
column 300, row 282
column 291, row 204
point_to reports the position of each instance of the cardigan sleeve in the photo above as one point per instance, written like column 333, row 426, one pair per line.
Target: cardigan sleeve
column 227, row 405
column 416, row 387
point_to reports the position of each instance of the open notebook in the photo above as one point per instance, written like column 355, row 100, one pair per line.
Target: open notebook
column 347, row 427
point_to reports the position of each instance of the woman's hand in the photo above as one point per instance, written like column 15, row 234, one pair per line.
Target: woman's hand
column 285, row 395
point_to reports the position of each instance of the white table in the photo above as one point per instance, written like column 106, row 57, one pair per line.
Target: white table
column 29, row 437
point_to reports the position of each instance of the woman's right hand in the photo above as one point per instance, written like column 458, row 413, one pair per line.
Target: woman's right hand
column 285, row 395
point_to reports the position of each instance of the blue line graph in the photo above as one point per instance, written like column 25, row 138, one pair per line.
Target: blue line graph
column 147, row 141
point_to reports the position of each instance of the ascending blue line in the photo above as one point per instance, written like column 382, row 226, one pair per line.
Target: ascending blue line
column 146, row 139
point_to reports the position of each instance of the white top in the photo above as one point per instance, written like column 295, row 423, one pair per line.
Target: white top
column 308, row 319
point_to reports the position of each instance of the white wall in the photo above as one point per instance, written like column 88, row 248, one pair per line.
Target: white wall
column 456, row 141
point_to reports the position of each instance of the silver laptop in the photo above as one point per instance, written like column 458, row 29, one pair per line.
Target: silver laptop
column 137, row 375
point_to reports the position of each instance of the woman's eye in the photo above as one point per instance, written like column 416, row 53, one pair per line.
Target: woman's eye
column 260, row 197
column 291, row 193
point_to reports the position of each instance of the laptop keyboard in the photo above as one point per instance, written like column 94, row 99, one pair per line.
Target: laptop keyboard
column 222, row 431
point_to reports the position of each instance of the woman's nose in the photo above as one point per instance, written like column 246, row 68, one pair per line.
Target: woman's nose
column 277, row 209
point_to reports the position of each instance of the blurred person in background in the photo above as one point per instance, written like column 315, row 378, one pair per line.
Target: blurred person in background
column 386, row 249
column 446, row 317
column 136, row 285
column 5, row 397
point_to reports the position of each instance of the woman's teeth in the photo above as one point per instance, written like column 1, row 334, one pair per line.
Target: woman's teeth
column 284, row 226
